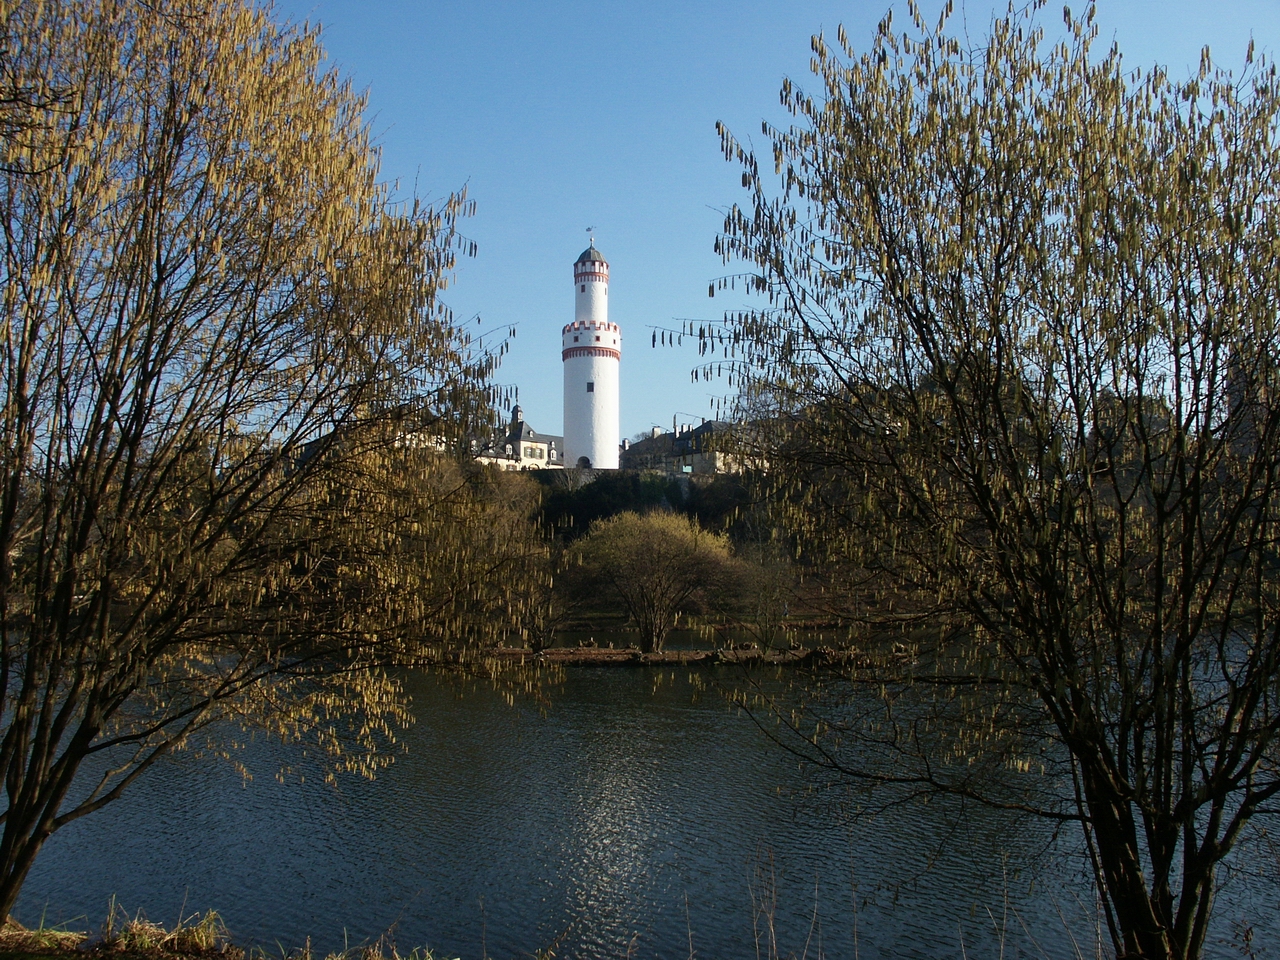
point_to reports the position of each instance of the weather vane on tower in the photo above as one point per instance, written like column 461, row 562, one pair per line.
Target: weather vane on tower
column 591, row 235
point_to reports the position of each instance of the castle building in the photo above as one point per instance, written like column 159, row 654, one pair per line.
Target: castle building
column 591, row 348
column 687, row 449
column 591, row 351
column 520, row 447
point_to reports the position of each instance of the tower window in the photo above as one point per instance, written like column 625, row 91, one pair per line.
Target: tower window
column 582, row 287
column 597, row 339
column 575, row 339
column 591, row 386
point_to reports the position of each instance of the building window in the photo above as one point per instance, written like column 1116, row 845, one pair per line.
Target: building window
column 591, row 386
column 582, row 287
column 597, row 339
column 575, row 339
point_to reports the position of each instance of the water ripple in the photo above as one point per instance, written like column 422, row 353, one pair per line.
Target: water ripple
column 626, row 821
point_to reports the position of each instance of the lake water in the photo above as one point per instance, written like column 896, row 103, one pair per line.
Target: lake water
column 633, row 816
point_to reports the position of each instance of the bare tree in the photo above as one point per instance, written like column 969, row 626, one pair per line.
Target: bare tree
column 226, row 379
column 1020, row 350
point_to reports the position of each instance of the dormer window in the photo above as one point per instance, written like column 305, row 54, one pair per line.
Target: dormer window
column 508, row 449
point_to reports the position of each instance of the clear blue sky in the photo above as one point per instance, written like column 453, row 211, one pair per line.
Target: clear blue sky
column 557, row 116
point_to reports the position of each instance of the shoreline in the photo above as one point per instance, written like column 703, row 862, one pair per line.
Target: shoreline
column 633, row 657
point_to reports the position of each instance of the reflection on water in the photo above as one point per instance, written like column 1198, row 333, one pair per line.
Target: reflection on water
column 628, row 819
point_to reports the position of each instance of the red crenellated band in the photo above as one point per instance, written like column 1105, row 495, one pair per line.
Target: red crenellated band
column 590, row 352
column 590, row 325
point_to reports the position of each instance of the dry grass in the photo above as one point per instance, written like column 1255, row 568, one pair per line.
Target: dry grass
column 15, row 938
column 193, row 936
column 124, row 936
column 383, row 948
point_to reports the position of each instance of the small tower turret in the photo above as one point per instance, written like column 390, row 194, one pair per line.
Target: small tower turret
column 592, row 352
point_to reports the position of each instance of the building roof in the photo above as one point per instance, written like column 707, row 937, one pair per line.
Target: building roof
column 522, row 431
column 665, row 449
column 589, row 254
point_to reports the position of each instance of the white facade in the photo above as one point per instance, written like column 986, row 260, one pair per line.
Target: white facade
column 591, row 351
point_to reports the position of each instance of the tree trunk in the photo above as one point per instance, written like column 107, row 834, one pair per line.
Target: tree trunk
column 1143, row 933
column 13, row 872
column 37, row 780
column 30, row 822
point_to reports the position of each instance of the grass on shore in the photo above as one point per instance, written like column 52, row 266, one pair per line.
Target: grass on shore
column 198, row 937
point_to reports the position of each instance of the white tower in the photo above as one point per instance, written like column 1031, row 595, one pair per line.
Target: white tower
column 592, row 350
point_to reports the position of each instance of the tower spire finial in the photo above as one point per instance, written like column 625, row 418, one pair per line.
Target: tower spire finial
column 591, row 236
